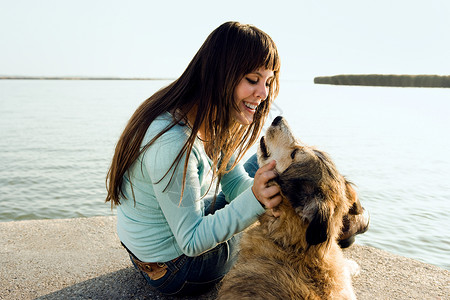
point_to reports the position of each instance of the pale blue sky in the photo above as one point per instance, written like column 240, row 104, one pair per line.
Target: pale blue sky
column 158, row 39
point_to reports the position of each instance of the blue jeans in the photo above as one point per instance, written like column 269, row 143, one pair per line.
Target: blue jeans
column 194, row 275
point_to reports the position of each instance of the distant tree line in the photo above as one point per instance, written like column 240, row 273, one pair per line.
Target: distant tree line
column 387, row 80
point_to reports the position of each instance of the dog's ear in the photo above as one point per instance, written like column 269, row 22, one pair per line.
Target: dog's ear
column 296, row 190
column 317, row 231
column 356, row 208
column 298, row 183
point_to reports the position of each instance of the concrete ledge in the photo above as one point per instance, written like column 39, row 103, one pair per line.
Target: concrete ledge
column 82, row 259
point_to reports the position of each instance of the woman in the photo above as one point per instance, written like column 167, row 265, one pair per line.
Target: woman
column 180, row 147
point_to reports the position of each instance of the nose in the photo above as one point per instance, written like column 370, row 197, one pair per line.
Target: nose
column 277, row 120
column 262, row 91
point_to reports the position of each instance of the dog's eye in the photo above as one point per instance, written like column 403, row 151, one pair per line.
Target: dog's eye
column 293, row 153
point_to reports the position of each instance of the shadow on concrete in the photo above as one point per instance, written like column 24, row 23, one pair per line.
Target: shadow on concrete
column 123, row 284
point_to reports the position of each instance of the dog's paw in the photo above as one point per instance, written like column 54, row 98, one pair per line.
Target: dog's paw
column 353, row 268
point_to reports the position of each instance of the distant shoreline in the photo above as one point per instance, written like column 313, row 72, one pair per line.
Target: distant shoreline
column 434, row 81
column 76, row 78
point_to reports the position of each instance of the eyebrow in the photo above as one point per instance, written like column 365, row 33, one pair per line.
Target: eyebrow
column 260, row 75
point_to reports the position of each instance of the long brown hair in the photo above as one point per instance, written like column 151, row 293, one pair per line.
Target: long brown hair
column 208, row 83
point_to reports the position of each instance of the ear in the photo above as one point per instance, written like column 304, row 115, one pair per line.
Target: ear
column 296, row 190
column 317, row 231
column 356, row 208
column 297, row 183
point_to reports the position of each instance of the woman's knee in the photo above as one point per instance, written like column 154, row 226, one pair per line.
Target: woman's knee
column 251, row 165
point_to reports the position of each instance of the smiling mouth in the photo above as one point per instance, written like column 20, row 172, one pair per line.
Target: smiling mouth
column 250, row 106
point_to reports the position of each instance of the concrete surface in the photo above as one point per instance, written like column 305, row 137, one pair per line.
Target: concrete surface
column 82, row 259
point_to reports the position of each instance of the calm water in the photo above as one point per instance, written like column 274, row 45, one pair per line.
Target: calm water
column 57, row 139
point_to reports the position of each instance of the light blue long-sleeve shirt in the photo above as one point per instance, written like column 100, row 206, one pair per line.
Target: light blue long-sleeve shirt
column 158, row 227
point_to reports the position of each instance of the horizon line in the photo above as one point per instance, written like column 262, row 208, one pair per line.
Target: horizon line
column 7, row 77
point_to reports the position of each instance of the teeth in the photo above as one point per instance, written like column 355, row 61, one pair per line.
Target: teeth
column 251, row 106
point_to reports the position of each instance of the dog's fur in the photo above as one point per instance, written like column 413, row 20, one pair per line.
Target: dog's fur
column 295, row 255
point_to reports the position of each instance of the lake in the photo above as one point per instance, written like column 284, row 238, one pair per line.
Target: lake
column 57, row 138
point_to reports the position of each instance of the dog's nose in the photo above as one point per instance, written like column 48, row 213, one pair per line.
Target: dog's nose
column 277, row 120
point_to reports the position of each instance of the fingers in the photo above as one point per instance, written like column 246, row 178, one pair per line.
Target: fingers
column 271, row 191
column 274, row 212
column 268, row 196
column 273, row 202
column 267, row 167
column 266, row 172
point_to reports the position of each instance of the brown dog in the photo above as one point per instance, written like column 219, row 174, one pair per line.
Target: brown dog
column 296, row 255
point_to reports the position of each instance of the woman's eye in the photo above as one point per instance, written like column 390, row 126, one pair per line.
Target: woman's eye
column 252, row 81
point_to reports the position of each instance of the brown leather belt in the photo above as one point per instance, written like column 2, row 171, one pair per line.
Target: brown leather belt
column 154, row 270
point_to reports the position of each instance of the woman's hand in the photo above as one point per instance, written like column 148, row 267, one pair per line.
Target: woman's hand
column 268, row 196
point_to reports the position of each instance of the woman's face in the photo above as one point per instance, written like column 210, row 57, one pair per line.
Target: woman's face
column 250, row 92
